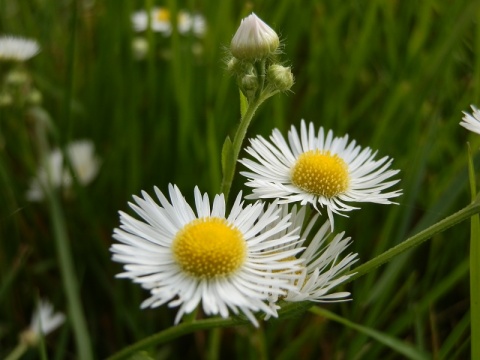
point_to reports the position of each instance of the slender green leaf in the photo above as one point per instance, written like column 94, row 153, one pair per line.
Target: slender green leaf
column 399, row 346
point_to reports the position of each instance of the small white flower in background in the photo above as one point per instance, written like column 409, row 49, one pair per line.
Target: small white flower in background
column 254, row 39
column 317, row 169
column 471, row 121
column 139, row 47
column 160, row 21
column 322, row 265
column 85, row 166
column 226, row 263
column 15, row 48
column 44, row 321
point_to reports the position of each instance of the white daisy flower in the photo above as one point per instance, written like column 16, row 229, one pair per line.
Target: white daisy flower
column 471, row 121
column 226, row 263
column 17, row 48
column 317, row 169
column 160, row 21
column 322, row 265
column 254, row 39
column 55, row 174
column 43, row 322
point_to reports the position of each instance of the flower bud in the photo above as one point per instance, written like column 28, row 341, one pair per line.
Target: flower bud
column 34, row 97
column 17, row 78
column 254, row 40
column 280, row 77
column 5, row 99
column 249, row 85
column 139, row 48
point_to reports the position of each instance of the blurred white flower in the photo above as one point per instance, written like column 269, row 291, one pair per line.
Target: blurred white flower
column 17, row 48
column 471, row 121
column 43, row 322
column 85, row 165
column 160, row 21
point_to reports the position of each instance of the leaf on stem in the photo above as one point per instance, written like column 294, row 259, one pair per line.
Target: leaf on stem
column 227, row 156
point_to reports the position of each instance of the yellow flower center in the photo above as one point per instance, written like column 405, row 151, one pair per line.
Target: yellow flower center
column 209, row 248
column 321, row 173
column 162, row 15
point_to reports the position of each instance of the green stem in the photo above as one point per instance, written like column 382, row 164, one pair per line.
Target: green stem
column 396, row 344
column 175, row 332
column 17, row 352
column 237, row 144
column 461, row 215
column 474, row 267
column 240, row 137
column 213, row 352
column 475, row 286
column 288, row 309
column 70, row 283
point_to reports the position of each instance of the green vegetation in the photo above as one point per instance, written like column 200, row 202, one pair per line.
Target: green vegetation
column 394, row 75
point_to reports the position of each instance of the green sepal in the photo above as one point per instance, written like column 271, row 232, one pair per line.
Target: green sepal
column 243, row 104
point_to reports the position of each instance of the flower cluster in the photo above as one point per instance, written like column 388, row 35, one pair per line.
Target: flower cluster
column 161, row 22
column 254, row 258
column 254, row 50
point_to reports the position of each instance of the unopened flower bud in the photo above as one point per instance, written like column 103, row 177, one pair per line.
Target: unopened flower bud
column 233, row 65
column 249, row 85
column 5, row 99
column 280, row 77
column 17, row 78
column 139, row 48
column 34, row 97
column 254, row 40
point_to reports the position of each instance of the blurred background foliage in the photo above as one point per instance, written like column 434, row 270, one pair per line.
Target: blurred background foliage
column 394, row 75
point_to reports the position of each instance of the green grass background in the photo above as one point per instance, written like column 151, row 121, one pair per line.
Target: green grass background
column 394, row 75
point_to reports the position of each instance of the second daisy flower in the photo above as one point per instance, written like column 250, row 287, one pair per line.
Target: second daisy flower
column 318, row 169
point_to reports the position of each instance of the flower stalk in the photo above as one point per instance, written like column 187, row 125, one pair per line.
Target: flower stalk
column 415, row 240
column 474, row 265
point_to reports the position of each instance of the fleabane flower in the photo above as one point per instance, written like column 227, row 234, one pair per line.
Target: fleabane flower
column 254, row 40
column 55, row 174
column 15, row 48
column 226, row 263
column 318, row 169
column 471, row 121
column 323, row 266
column 44, row 321
column 160, row 21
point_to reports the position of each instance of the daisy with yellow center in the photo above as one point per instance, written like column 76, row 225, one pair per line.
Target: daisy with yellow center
column 322, row 266
column 471, row 121
column 226, row 263
column 318, row 169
